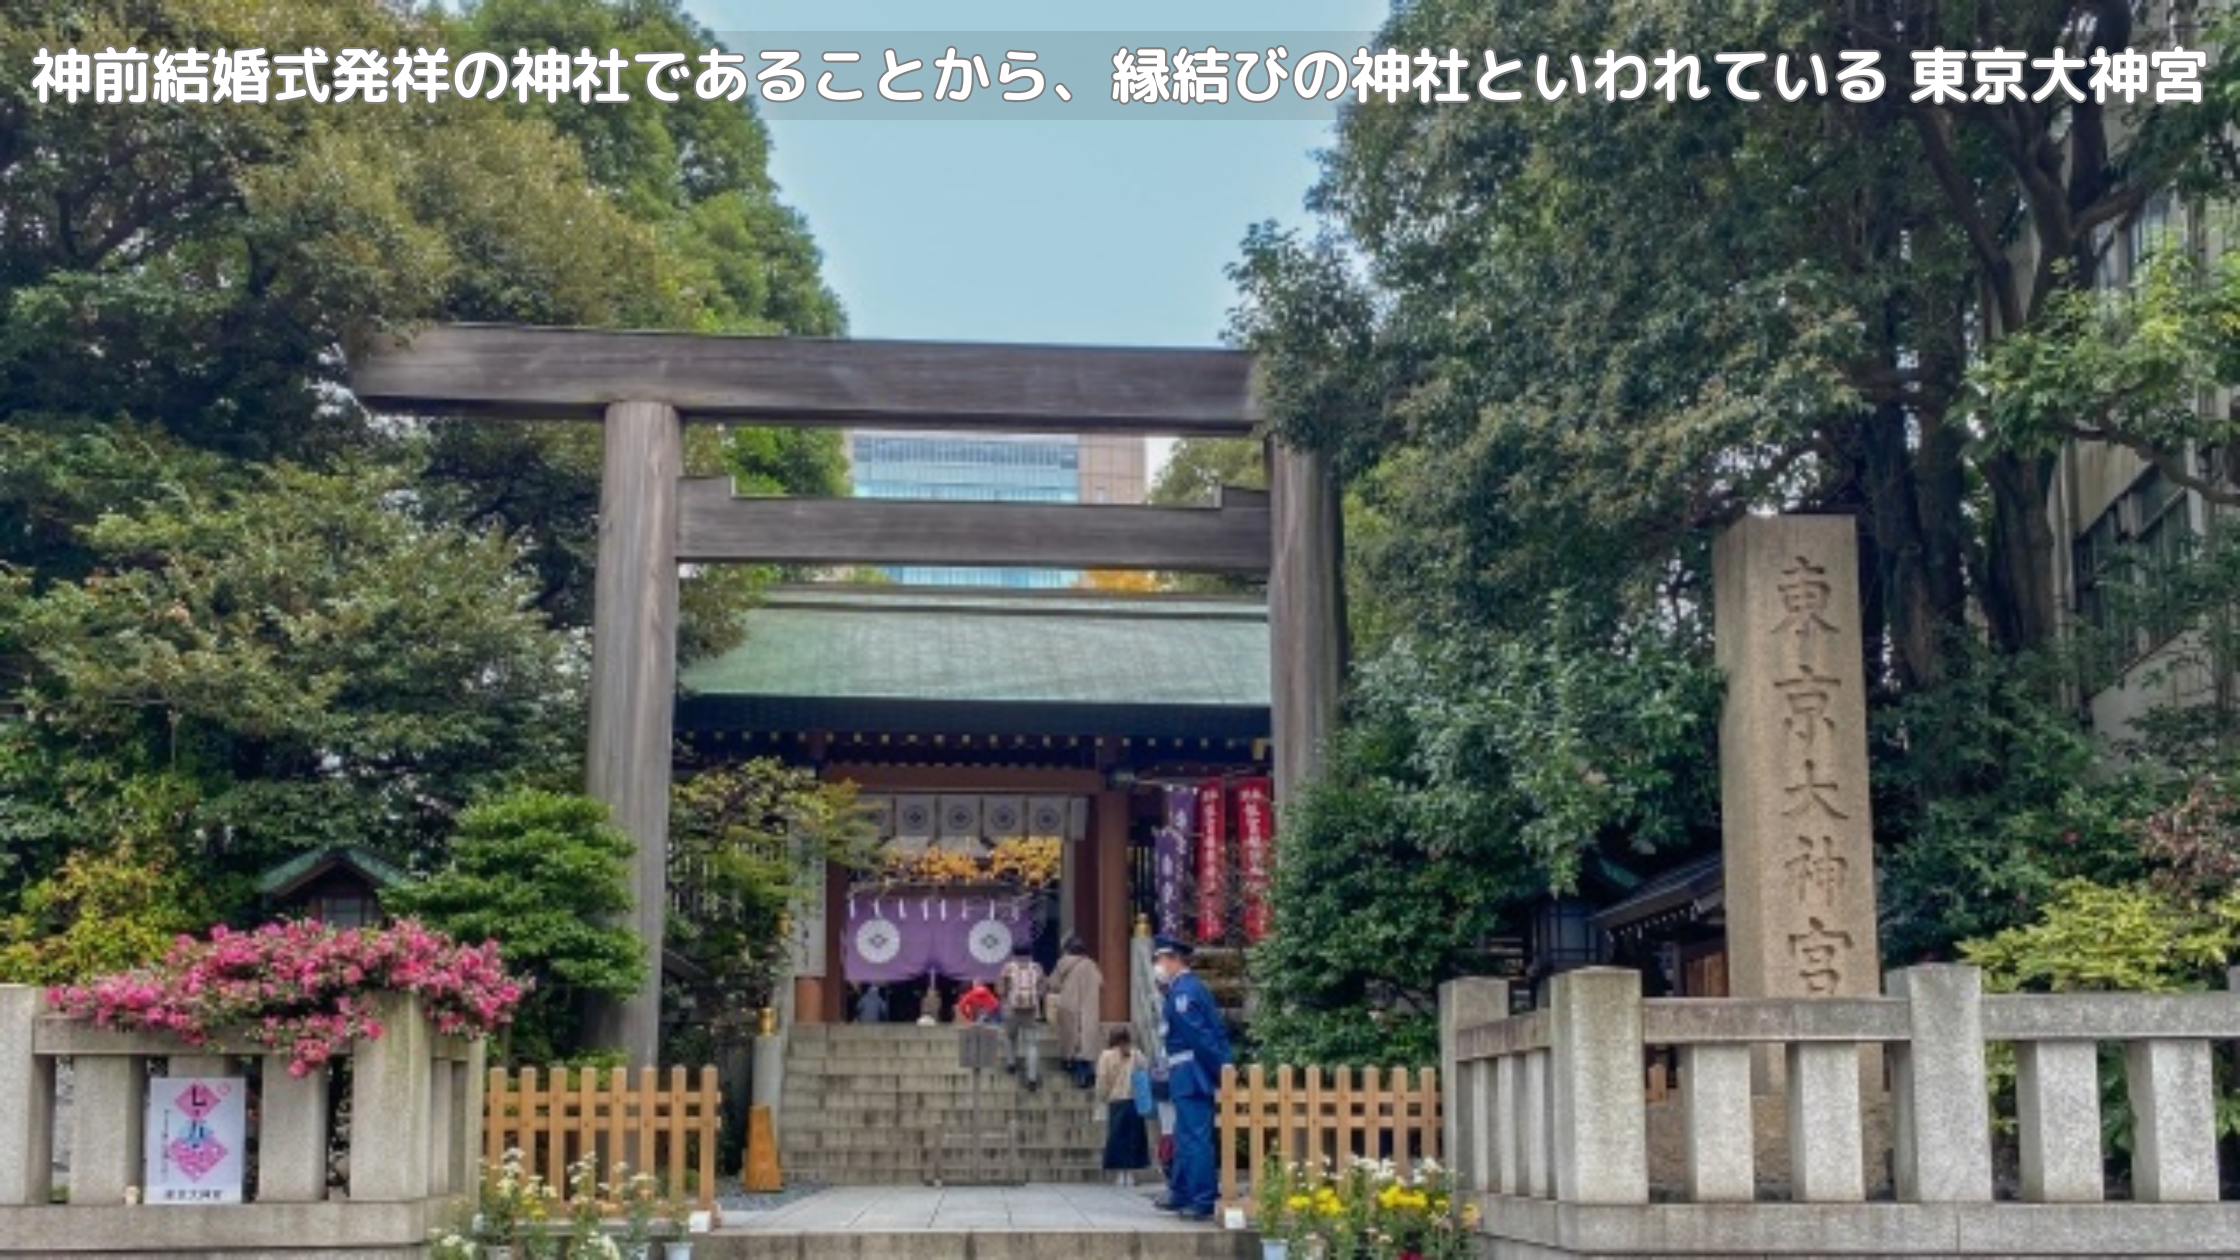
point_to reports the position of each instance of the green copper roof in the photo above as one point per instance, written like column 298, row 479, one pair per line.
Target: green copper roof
column 295, row 872
column 904, row 643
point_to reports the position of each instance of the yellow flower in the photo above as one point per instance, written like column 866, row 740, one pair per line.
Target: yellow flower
column 1298, row 1202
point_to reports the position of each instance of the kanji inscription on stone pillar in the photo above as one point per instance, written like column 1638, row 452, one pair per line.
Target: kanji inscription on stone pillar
column 1793, row 760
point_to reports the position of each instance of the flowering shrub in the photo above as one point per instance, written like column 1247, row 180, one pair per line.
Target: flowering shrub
column 516, row 1208
column 1367, row 1212
column 300, row 987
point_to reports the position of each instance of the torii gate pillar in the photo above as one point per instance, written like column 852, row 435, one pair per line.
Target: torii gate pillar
column 1306, row 613
column 633, row 684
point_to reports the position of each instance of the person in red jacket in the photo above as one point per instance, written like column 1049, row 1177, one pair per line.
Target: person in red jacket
column 978, row 1005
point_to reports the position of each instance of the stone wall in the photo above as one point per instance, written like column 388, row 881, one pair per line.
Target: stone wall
column 416, row 1101
column 1552, row 1135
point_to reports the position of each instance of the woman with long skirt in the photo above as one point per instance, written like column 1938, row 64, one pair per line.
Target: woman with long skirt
column 1127, row 1146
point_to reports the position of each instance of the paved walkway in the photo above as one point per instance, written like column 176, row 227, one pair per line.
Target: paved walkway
column 966, row 1209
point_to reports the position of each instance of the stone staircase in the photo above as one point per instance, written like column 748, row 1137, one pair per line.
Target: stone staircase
column 887, row 1104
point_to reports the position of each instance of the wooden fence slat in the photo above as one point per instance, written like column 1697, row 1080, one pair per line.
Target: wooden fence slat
column 1226, row 1127
column 711, row 1110
column 494, row 1124
column 649, row 1159
column 1428, row 1115
column 617, row 1102
column 674, row 1097
column 1311, row 1115
column 555, row 1130
column 666, row 1129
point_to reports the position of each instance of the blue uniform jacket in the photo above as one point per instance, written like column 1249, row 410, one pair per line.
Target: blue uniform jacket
column 1197, row 1045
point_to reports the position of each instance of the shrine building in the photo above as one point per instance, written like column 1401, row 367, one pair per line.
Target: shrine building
column 1115, row 729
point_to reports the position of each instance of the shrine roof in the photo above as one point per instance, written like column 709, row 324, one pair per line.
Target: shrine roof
column 914, row 645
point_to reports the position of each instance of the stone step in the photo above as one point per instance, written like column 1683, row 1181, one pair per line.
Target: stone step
column 808, row 1139
column 1056, row 1092
column 872, row 1119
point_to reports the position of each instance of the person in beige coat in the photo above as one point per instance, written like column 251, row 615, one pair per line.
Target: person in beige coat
column 1076, row 1000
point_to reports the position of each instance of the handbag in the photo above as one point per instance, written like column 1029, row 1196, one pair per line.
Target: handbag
column 1139, row 1083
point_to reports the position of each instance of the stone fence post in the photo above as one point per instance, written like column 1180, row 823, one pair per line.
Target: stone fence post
column 1601, row 1129
column 26, row 1102
column 1466, row 1091
column 392, row 1105
column 1940, row 1095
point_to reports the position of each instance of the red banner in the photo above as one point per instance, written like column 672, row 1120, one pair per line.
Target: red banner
column 1213, row 861
column 1256, row 834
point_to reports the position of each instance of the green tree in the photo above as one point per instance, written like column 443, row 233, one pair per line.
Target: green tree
column 1469, row 780
column 749, row 842
column 315, row 663
column 1198, row 467
column 1554, row 346
column 103, row 911
column 544, row 874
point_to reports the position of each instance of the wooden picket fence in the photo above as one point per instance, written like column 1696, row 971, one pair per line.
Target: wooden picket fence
column 1306, row 1115
column 668, row 1130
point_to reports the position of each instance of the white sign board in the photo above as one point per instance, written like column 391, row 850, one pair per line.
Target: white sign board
column 198, row 1128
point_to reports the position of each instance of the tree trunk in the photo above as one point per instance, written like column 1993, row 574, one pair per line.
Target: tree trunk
column 2019, row 598
column 1907, row 607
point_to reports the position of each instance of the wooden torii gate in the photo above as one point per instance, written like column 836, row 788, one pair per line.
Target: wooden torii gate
column 645, row 386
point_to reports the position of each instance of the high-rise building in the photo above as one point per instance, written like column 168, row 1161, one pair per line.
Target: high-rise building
column 1037, row 468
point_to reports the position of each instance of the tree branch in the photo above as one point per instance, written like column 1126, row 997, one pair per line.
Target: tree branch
column 2221, row 493
column 1936, row 142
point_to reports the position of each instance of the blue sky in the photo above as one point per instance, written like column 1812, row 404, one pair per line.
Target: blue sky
column 1049, row 230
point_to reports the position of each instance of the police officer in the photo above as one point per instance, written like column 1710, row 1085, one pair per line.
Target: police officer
column 1197, row 1050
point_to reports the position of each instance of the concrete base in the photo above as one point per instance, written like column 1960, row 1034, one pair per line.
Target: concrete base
column 257, row 1231
column 2010, row 1231
column 1037, row 1222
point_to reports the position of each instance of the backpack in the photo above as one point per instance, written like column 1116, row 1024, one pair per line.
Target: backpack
column 1026, row 986
column 1140, row 1082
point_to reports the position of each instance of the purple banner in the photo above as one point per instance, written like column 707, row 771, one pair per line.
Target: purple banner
column 891, row 938
column 1171, row 853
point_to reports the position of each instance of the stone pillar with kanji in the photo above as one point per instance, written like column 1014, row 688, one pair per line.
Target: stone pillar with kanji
column 1799, row 840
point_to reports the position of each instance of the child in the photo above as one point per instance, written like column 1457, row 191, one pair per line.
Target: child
column 1126, row 1146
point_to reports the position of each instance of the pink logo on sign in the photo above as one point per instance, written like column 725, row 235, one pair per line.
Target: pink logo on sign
column 197, row 1101
column 196, row 1157
column 197, row 1152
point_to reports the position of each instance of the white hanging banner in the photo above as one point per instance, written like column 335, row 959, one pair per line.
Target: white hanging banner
column 1006, row 817
column 914, row 818
column 197, row 1129
column 1048, row 817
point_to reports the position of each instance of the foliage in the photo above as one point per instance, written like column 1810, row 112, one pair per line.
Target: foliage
column 301, row 987
column 1123, row 580
column 1469, row 779
column 2124, row 938
column 288, row 658
column 1552, row 347
column 545, row 875
column 2193, row 845
column 748, row 843
column 1198, row 468
column 514, row 1207
column 102, row 911
column 1366, row 1212
column 2129, row 938
column 1988, row 794
column 223, row 581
